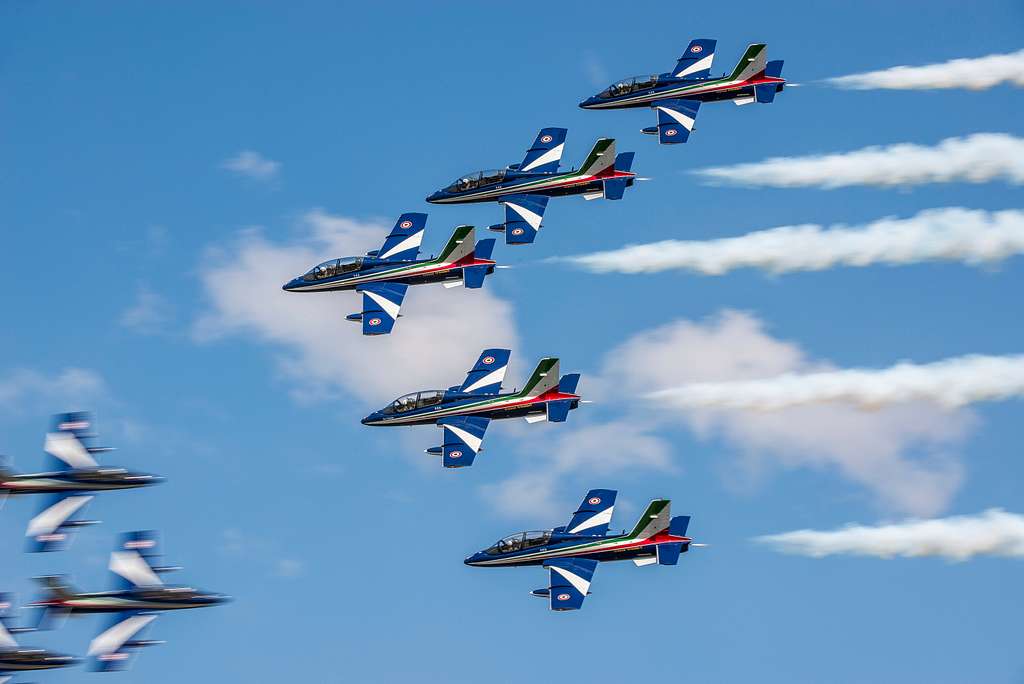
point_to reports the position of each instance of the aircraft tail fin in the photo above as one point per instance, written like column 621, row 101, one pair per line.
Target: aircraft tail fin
column 473, row 276
column 544, row 379
column 55, row 587
column 752, row 63
column 656, row 518
column 459, row 246
column 601, row 157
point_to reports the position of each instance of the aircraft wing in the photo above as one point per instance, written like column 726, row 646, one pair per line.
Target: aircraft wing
column 133, row 561
column 696, row 61
column 523, row 216
column 546, row 151
column 68, row 451
column 594, row 514
column 403, row 243
column 50, row 529
column 487, row 373
column 381, row 304
column 675, row 120
column 569, row 582
column 463, row 436
column 113, row 648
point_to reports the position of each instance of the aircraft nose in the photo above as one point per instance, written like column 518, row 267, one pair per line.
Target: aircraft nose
column 435, row 196
column 472, row 560
column 290, row 285
column 371, row 419
column 586, row 104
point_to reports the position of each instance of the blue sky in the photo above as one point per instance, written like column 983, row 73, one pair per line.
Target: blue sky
column 133, row 255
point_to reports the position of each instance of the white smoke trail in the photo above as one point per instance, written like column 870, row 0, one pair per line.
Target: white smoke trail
column 977, row 158
column 951, row 234
column 979, row 73
column 950, row 383
column 992, row 533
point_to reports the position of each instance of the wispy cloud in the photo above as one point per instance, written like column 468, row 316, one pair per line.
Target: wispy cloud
column 951, row 234
column 27, row 389
column 596, row 449
column 992, row 533
column 903, row 454
column 252, row 164
column 441, row 332
column 951, row 383
column 148, row 314
column 979, row 73
column 977, row 158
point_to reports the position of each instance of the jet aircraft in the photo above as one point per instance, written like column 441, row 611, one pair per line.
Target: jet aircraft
column 139, row 597
column 384, row 275
column 14, row 659
column 571, row 553
column 677, row 94
column 72, row 474
column 525, row 188
column 465, row 410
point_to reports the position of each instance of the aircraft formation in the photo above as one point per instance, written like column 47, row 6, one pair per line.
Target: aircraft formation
column 571, row 553
column 71, row 480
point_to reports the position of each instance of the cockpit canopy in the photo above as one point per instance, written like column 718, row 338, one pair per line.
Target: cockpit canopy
column 471, row 181
column 415, row 400
column 518, row 542
column 629, row 85
column 334, row 267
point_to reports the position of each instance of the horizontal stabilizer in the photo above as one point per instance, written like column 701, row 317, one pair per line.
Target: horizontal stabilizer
column 773, row 69
column 765, row 92
column 615, row 188
column 568, row 383
column 558, row 411
column 668, row 554
column 473, row 277
column 677, row 527
column 624, row 161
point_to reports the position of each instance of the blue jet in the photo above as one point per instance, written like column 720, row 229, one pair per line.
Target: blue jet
column 677, row 94
column 384, row 275
column 464, row 411
column 68, row 484
column 15, row 659
column 140, row 595
column 571, row 553
column 525, row 188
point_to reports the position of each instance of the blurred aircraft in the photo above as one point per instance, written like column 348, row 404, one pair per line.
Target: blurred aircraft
column 384, row 275
column 465, row 410
column 524, row 188
column 677, row 94
column 571, row 553
column 14, row 659
column 72, row 473
column 139, row 597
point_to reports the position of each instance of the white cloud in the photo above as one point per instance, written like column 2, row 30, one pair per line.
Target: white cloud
column 900, row 453
column 596, row 449
column 148, row 314
column 24, row 389
column 950, row 383
column 435, row 342
column 978, row 73
column 951, row 234
column 253, row 165
column 289, row 568
column 977, row 158
column 992, row 533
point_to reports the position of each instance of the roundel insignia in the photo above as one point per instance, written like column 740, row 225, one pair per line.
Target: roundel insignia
column 593, row 501
column 374, row 321
column 455, row 454
column 696, row 48
column 670, row 132
column 545, row 138
column 564, row 597
column 405, row 224
column 517, row 231
column 488, row 360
